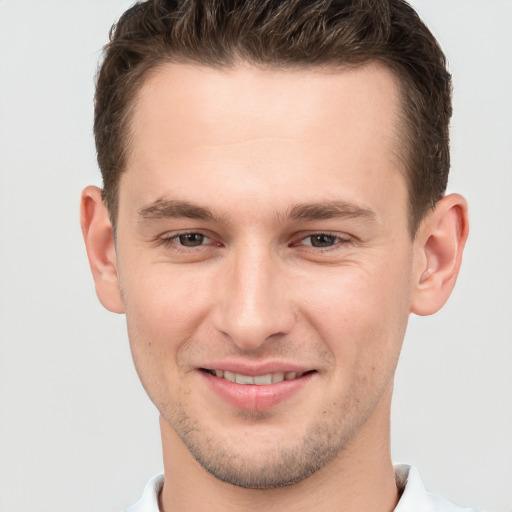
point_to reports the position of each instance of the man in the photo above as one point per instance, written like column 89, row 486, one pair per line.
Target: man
column 273, row 210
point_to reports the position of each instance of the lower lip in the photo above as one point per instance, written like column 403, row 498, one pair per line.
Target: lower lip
column 255, row 398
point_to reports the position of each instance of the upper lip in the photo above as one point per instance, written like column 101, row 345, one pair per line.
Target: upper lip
column 253, row 369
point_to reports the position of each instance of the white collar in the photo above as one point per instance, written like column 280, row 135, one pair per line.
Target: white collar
column 414, row 497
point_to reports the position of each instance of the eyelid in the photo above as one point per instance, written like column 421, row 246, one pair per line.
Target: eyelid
column 341, row 239
column 339, row 236
column 170, row 239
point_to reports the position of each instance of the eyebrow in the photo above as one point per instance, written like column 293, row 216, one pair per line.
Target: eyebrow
column 330, row 210
column 173, row 209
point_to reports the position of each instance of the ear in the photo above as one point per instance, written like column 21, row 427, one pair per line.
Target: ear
column 438, row 253
column 99, row 241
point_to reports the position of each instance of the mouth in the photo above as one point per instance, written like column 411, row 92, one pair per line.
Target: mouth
column 256, row 380
column 263, row 389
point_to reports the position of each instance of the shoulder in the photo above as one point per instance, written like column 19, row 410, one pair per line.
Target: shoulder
column 415, row 498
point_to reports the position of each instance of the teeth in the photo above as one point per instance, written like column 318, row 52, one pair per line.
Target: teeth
column 277, row 377
column 243, row 379
column 230, row 376
column 258, row 380
column 263, row 380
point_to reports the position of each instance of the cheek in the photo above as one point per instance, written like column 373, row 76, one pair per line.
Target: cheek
column 164, row 310
column 361, row 313
column 160, row 299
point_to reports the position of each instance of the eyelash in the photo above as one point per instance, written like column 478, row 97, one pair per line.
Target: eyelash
column 338, row 241
column 172, row 241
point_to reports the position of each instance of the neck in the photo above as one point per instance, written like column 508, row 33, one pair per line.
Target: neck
column 361, row 478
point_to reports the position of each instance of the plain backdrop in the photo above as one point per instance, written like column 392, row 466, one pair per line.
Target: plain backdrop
column 77, row 432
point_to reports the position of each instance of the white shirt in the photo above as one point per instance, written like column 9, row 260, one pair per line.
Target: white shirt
column 414, row 497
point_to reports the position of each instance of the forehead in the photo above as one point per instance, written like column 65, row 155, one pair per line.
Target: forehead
column 273, row 100
column 297, row 130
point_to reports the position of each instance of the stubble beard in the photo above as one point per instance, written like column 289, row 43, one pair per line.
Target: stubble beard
column 274, row 467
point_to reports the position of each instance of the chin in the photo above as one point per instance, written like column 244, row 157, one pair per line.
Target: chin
column 268, row 462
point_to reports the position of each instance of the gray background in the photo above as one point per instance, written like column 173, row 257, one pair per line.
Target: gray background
column 76, row 430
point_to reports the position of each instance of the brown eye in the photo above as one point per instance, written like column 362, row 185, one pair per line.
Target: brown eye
column 191, row 239
column 321, row 240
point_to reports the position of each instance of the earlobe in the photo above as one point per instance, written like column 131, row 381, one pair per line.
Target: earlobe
column 99, row 241
column 438, row 254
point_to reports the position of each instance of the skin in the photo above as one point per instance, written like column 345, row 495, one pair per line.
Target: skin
column 246, row 160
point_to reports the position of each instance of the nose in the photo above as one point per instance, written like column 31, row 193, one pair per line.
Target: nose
column 254, row 304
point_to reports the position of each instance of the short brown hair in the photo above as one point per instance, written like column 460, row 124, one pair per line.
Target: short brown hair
column 281, row 33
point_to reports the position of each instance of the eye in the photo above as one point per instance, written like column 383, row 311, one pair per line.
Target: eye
column 191, row 239
column 188, row 240
column 323, row 240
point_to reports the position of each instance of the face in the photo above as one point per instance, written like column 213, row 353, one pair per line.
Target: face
column 265, row 262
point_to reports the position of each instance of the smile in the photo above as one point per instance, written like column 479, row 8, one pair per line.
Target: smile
column 257, row 380
column 263, row 389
